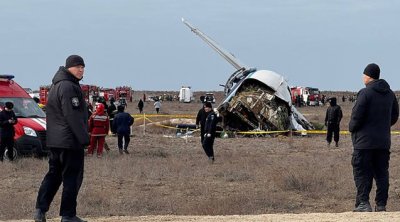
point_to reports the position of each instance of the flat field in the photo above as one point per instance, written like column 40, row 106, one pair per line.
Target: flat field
column 165, row 178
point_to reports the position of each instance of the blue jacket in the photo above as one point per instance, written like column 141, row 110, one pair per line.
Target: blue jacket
column 375, row 111
column 122, row 123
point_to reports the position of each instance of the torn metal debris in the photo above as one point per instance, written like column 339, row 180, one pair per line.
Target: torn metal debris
column 255, row 99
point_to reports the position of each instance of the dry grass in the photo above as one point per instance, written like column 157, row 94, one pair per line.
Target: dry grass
column 169, row 176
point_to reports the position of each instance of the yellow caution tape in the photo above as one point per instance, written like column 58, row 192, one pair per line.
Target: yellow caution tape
column 145, row 116
column 166, row 115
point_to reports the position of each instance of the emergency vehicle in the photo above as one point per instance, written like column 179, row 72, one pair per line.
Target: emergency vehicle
column 30, row 131
column 308, row 95
column 123, row 93
column 107, row 93
column 43, row 94
column 186, row 94
column 90, row 92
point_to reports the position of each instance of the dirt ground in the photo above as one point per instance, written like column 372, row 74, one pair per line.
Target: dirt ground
column 167, row 178
column 317, row 217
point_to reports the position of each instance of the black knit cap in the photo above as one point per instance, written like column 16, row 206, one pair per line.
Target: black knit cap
column 332, row 101
column 9, row 105
column 372, row 70
column 207, row 104
column 74, row 60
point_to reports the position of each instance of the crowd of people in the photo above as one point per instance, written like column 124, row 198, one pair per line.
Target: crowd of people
column 72, row 126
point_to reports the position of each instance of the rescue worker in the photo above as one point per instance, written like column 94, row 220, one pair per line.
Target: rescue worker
column 99, row 124
column 140, row 105
column 201, row 121
column 7, row 132
column 332, row 121
column 67, row 136
column 210, row 128
column 374, row 112
column 122, row 126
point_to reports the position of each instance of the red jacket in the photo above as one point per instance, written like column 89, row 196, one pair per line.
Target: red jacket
column 99, row 123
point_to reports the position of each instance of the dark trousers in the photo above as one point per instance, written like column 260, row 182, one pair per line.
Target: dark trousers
column 111, row 126
column 201, row 135
column 208, row 144
column 123, row 141
column 369, row 165
column 333, row 128
column 7, row 142
column 157, row 110
column 65, row 166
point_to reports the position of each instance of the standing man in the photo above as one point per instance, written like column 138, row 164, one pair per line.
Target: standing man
column 140, row 105
column 332, row 121
column 375, row 111
column 201, row 121
column 7, row 132
column 122, row 127
column 111, row 112
column 209, row 131
column 67, row 135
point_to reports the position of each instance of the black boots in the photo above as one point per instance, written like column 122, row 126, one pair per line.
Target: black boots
column 40, row 216
column 363, row 207
column 71, row 219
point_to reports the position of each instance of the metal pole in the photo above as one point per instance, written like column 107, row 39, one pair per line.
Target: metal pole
column 144, row 124
column 187, row 130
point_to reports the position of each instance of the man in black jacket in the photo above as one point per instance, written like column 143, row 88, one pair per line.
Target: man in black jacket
column 210, row 128
column 332, row 121
column 67, row 135
column 7, row 132
column 201, row 121
column 122, row 127
column 375, row 111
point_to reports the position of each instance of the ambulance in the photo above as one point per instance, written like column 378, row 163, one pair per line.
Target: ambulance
column 30, row 131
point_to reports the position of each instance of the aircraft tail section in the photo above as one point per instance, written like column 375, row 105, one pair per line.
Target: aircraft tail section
column 222, row 52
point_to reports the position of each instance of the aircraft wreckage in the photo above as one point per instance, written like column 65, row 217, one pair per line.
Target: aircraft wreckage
column 255, row 99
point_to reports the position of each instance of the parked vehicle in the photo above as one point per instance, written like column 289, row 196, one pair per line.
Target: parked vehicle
column 209, row 98
column 309, row 96
column 186, row 94
column 30, row 131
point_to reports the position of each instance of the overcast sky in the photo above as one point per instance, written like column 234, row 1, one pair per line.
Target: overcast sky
column 144, row 44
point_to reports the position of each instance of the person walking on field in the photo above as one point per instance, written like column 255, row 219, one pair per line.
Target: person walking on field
column 332, row 121
column 140, row 105
column 99, row 124
column 122, row 126
column 7, row 132
column 67, row 135
column 201, row 121
column 157, row 105
column 374, row 112
column 209, row 131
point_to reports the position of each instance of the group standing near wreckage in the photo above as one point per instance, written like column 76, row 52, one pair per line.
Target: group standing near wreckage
column 70, row 129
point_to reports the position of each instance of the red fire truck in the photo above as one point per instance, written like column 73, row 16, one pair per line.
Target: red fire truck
column 308, row 95
column 107, row 93
column 30, row 131
column 43, row 94
column 90, row 92
column 123, row 92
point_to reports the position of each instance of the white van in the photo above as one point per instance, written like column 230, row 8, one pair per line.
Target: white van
column 186, row 94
